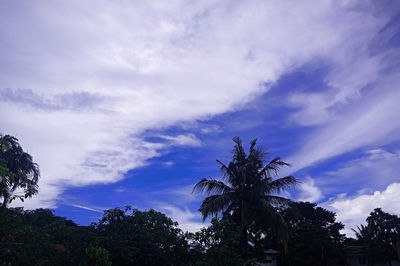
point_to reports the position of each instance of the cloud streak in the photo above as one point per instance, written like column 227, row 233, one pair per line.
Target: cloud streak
column 358, row 105
column 88, row 208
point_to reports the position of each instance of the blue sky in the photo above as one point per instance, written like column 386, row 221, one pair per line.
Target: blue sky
column 131, row 102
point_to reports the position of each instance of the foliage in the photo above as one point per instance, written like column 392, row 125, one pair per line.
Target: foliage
column 249, row 192
column 315, row 237
column 96, row 256
column 362, row 234
column 123, row 237
column 218, row 244
column 381, row 234
column 134, row 237
column 17, row 171
column 40, row 238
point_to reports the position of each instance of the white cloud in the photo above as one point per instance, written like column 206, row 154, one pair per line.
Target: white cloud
column 183, row 140
column 181, row 197
column 308, row 191
column 101, row 75
column 354, row 210
column 187, row 220
column 360, row 185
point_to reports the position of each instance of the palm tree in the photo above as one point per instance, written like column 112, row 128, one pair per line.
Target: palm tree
column 249, row 193
column 17, row 170
column 362, row 233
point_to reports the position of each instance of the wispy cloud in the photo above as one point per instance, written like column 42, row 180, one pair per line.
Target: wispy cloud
column 94, row 209
column 75, row 101
column 210, row 129
column 120, row 189
column 183, row 140
column 185, row 193
column 168, row 163
column 358, row 105
column 377, row 168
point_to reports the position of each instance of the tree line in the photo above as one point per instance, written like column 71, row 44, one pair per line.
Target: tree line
column 248, row 216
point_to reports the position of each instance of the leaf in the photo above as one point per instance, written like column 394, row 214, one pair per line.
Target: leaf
column 4, row 148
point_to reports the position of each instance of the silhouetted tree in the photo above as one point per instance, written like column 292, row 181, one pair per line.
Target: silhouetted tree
column 17, row 171
column 315, row 237
column 38, row 237
column 363, row 234
column 133, row 237
column 217, row 244
column 384, row 232
column 249, row 192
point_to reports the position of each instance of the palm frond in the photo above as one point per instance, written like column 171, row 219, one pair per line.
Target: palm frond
column 273, row 167
column 362, row 233
column 232, row 173
column 211, row 186
column 215, row 204
column 277, row 201
column 225, row 170
column 357, row 232
column 239, row 155
column 282, row 183
column 253, row 144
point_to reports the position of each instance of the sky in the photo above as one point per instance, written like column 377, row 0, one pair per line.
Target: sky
column 131, row 102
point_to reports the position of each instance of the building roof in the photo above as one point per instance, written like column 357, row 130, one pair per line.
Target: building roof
column 355, row 250
column 271, row 251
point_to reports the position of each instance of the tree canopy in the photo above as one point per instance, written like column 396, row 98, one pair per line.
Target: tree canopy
column 381, row 235
column 17, row 171
column 315, row 237
column 134, row 237
column 248, row 217
column 249, row 194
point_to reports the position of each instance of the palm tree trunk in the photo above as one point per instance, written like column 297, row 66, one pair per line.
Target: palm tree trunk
column 5, row 202
column 6, row 198
column 243, row 231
